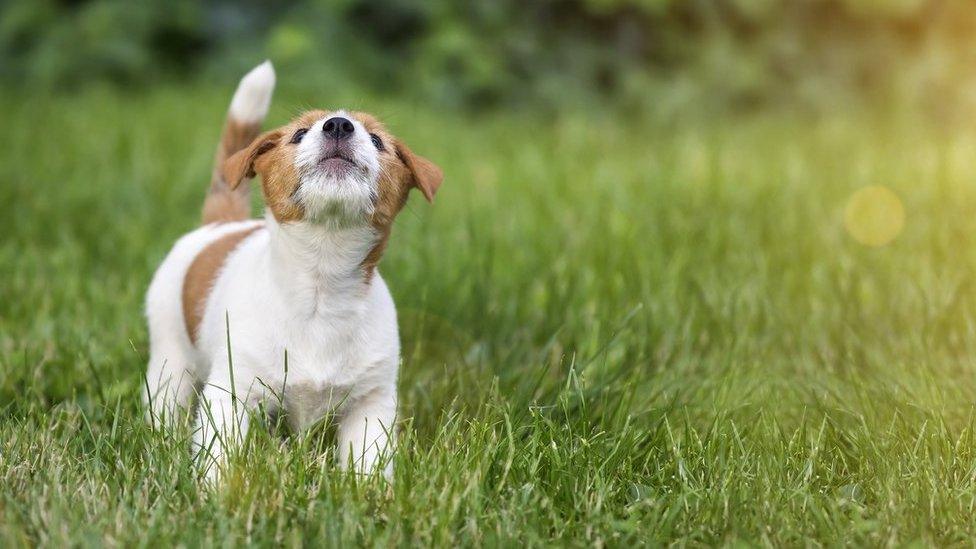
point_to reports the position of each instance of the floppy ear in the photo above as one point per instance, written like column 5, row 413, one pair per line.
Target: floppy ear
column 240, row 165
column 426, row 175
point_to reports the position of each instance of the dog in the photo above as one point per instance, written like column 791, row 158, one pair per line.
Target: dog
column 288, row 314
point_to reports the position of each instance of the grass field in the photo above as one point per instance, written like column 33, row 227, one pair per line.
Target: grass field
column 614, row 332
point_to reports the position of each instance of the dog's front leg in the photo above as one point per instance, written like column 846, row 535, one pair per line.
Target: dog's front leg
column 366, row 432
column 222, row 422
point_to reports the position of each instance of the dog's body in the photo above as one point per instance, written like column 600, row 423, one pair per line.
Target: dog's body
column 288, row 313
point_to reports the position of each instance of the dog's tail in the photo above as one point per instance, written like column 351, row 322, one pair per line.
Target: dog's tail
column 247, row 112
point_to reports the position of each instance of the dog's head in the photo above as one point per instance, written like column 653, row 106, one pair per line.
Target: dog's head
column 334, row 168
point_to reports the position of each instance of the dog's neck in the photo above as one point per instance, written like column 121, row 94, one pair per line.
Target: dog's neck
column 320, row 266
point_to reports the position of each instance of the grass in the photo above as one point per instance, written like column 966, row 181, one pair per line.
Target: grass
column 614, row 332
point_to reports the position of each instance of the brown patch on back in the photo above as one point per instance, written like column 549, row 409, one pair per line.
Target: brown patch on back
column 202, row 275
column 223, row 203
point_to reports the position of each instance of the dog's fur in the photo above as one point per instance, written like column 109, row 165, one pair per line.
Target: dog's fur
column 288, row 312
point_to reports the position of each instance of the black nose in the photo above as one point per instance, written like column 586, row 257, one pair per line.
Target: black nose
column 338, row 127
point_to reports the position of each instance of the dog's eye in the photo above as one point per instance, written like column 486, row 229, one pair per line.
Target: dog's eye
column 297, row 138
column 377, row 142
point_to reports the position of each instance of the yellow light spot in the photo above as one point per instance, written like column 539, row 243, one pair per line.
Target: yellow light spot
column 874, row 216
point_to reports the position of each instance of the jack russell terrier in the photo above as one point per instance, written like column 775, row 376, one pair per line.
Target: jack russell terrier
column 288, row 313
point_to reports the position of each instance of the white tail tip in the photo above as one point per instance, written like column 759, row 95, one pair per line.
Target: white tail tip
column 253, row 95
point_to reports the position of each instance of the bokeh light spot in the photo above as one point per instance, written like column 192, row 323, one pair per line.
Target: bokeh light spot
column 874, row 216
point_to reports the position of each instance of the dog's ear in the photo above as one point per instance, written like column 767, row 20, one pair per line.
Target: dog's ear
column 427, row 176
column 240, row 165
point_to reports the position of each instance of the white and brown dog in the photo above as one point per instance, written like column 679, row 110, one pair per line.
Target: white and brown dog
column 288, row 312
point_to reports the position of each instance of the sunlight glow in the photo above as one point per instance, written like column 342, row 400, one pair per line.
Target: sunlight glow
column 874, row 216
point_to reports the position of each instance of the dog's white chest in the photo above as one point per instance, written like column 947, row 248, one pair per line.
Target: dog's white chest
column 322, row 379
column 321, row 362
column 325, row 358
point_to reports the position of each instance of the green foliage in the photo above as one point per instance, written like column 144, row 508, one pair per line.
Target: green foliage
column 52, row 44
column 614, row 332
column 730, row 53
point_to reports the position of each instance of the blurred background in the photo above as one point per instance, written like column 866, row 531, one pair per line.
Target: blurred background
column 657, row 55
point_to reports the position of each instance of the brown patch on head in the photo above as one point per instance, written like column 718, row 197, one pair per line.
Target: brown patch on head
column 400, row 171
column 202, row 275
column 272, row 157
column 277, row 169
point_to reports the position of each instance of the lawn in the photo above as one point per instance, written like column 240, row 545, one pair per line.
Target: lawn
column 615, row 331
